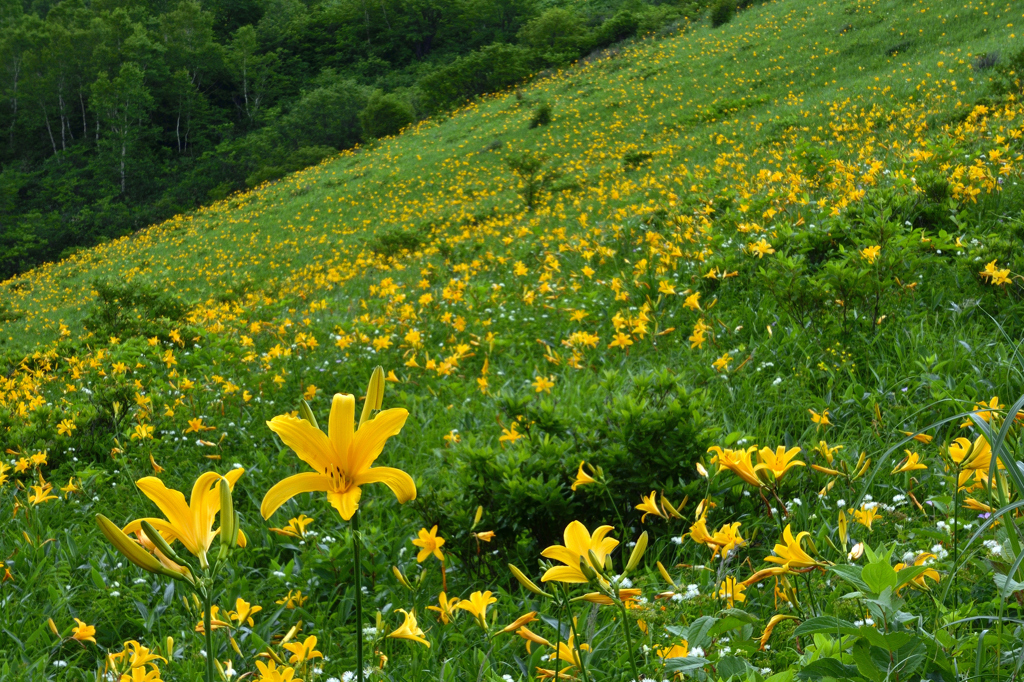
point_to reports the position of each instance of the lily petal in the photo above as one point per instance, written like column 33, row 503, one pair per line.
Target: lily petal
column 577, row 538
column 310, row 443
column 401, row 483
column 564, row 574
column 172, row 504
column 307, row 482
column 346, row 503
column 369, row 440
column 342, row 423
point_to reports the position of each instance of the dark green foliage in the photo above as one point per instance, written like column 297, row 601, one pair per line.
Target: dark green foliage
column 642, row 431
column 328, row 116
column 622, row 25
column 390, row 243
column 491, row 68
column 554, row 34
column 541, row 115
column 634, row 159
column 722, row 12
column 385, row 115
column 131, row 307
column 528, row 169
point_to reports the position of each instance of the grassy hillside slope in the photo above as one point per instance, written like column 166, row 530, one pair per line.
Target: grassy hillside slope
column 727, row 228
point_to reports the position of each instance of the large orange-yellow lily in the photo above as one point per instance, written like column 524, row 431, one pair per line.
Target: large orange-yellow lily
column 789, row 553
column 342, row 459
column 578, row 544
column 190, row 523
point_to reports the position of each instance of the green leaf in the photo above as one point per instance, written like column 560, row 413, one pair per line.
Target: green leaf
column 682, row 665
column 865, row 663
column 879, row 576
column 826, row 624
column 890, row 641
column 827, row 667
column 851, row 574
column 731, row 666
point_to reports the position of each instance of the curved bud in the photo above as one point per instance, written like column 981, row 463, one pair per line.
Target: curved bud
column 128, row 547
column 665, row 575
column 526, row 582
column 228, row 518
column 307, row 413
column 401, row 578
column 160, row 543
column 638, row 552
column 586, row 568
column 374, row 394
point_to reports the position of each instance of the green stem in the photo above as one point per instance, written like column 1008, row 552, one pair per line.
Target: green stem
column 810, row 594
column 208, row 627
column 616, row 508
column 358, row 574
column 629, row 640
column 575, row 635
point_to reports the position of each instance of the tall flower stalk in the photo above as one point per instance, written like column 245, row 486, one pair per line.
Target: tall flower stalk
column 342, row 462
column 191, row 524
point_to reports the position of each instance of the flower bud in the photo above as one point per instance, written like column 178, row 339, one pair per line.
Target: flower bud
column 307, row 413
column 638, row 552
column 526, row 582
column 374, row 394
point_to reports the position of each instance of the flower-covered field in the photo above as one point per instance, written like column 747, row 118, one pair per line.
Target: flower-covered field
column 715, row 374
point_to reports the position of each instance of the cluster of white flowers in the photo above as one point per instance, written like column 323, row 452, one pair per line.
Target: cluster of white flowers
column 994, row 548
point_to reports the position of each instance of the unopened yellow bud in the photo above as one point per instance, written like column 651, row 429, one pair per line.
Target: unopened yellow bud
column 401, row 578
column 374, row 394
column 53, row 626
column 526, row 582
column 665, row 575
column 638, row 552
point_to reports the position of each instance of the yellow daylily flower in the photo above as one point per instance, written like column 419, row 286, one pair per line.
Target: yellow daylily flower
column 190, row 523
column 582, row 478
column 918, row 582
column 446, row 609
column 650, row 506
column 732, row 591
column 477, row 605
column 912, row 462
column 83, row 632
column 429, row 543
column 725, row 539
column 342, row 461
column 790, row 555
column 578, row 543
column 866, row 515
column 216, row 622
column 303, row 651
column 296, row 527
column 737, row 461
column 409, row 629
column 780, row 461
column 42, row 494
column 520, row 622
column 269, row 672
column 244, row 611
column 775, row 620
column 673, row 651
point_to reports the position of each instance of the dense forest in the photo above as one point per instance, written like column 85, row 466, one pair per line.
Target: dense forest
column 115, row 114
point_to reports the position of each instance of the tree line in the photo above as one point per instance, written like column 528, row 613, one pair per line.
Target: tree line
column 115, row 114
